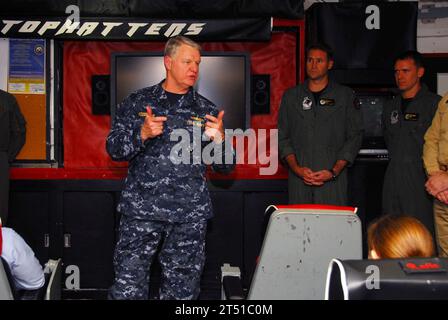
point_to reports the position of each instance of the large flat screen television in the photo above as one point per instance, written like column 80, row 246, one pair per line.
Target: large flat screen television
column 372, row 103
column 224, row 79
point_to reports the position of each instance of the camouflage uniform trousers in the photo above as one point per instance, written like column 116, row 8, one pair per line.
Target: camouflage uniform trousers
column 181, row 257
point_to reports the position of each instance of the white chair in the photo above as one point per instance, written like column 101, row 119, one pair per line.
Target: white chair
column 54, row 289
column 299, row 243
column 50, row 291
column 5, row 289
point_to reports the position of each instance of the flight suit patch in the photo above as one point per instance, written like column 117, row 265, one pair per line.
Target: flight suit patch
column 411, row 116
column 326, row 102
column 307, row 103
column 394, row 117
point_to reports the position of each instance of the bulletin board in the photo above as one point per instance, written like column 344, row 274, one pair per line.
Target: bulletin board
column 26, row 80
column 34, row 110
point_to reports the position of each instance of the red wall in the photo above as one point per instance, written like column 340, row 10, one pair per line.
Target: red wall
column 85, row 133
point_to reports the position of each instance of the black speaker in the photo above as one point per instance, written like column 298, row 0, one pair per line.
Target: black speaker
column 101, row 94
column 260, row 93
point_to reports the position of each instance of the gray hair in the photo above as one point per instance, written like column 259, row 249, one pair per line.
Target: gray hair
column 173, row 43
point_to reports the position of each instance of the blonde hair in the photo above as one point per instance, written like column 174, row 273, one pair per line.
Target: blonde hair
column 397, row 236
column 174, row 43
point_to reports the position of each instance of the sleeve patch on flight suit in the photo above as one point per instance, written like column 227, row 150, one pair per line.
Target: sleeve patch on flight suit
column 307, row 103
column 394, row 117
column 326, row 102
column 411, row 116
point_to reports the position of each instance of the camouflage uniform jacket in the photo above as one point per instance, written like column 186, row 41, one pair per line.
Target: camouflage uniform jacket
column 156, row 188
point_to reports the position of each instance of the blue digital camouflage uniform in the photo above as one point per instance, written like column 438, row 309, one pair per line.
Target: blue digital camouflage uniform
column 161, row 199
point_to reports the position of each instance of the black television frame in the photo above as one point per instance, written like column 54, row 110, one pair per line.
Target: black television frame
column 247, row 72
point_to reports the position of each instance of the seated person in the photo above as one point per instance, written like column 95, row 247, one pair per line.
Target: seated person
column 24, row 266
column 399, row 236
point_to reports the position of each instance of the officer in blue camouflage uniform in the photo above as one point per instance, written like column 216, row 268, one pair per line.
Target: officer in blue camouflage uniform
column 164, row 201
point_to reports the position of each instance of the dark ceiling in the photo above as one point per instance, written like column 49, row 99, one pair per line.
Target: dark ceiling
column 176, row 9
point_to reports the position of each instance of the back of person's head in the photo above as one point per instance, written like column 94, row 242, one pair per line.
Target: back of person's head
column 411, row 55
column 174, row 43
column 322, row 47
column 399, row 236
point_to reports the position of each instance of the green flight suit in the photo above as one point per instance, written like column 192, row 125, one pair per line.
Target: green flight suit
column 12, row 138
column 319, row 133
column 404, row 182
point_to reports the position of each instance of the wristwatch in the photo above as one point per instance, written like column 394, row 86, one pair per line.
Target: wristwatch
column 333, row 174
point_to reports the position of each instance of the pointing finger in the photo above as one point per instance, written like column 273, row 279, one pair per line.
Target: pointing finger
column 220, row 115
column 159, row 119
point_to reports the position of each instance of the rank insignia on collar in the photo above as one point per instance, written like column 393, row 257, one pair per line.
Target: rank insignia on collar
column 307, row 103
column 394, row 117
column 411, row 116
column 326, row 102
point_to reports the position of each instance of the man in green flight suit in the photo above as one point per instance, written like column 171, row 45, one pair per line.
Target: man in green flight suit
column 320, row 133
column 405, row 121
column 12, row 139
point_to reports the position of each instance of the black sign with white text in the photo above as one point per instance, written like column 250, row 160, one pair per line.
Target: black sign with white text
column 252, row 29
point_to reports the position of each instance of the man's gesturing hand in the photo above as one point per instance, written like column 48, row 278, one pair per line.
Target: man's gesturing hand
column 153, row 126
column 214, row 127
